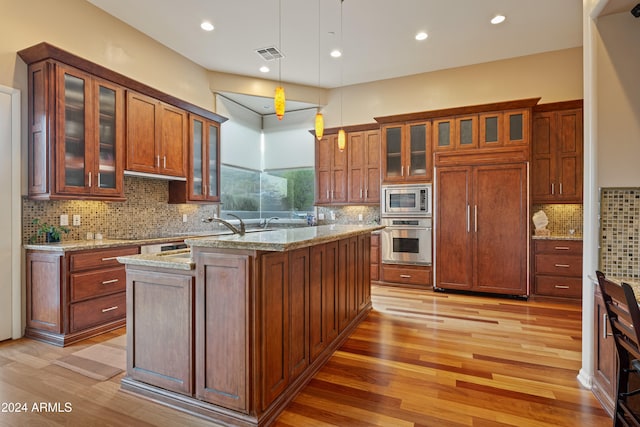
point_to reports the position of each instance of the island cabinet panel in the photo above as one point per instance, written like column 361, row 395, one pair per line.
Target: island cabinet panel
column 363, row 272
column 44, row 291
column 323, row 297
column 343, row 284
column 222, row 330
column 160, row 325
column 298, row 311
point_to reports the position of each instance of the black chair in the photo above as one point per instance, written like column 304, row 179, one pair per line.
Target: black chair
column 624, row 318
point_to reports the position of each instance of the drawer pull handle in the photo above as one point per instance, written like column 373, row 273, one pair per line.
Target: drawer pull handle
column 108, row 282
column 405, row 276
column 115, row 307
column 111, row 258
column 562, row 248
column 562, row 287
column 562, row 265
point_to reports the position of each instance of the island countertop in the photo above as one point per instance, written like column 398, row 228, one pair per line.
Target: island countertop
column 284, row 239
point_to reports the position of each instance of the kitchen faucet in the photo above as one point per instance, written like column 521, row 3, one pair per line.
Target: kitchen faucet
column 227, row 224
column 268, row 220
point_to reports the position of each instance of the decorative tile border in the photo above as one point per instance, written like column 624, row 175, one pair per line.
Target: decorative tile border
column 620, row 232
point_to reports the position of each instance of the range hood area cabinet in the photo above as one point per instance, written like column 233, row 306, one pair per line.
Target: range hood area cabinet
column 86, row 122
column 203, row 175
column 481, row 225
column 76, row 134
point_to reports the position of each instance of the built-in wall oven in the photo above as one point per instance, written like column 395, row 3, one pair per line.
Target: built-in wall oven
column 405, row 212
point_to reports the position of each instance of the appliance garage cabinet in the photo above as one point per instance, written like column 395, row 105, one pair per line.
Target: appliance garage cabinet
column 74, row 295
column 88, row 125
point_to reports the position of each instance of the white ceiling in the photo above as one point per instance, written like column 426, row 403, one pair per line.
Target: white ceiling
column 377, row 36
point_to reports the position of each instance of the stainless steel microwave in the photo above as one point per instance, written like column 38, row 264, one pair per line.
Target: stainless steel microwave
column 406, row 200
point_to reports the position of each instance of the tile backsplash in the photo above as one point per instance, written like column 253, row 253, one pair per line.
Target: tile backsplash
column 562, row 218
column 144, row 214
column 349, row 214
column 620, row 232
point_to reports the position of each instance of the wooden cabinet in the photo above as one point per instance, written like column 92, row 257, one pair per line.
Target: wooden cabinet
column 76, row 295
column 605, row 357
column 493, row 129
column 203, row 178
column 375, row 257
column 558, row 268
column 557, row 153
column 331, row 171
column 481, row 232
column 76, row 134
column 406, row 152
column 156, row 136
column 161, row 303
column 364, row 167
column 323, row 297
column 407, row 275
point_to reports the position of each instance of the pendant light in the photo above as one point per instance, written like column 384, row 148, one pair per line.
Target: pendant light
column 279, row 101
column 319, row 124
column 342, row 138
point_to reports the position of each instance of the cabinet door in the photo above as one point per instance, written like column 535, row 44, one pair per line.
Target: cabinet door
column 198, row 155
column 454, row 260
column 372, row 166
column 500, row 226
column 392, row 160
column 173, row 141
column 213, row 162
column 298, row 312
column 74, row 133
column 543, row 150
column 108, row 139
column 418, row 156
column 324, row 149
column 569, row 152
column 491, row 130
column 363, row 273
column 222, row 330
column 466, row 132
column 606, row 358
column 142, row 127
column 444, row 134
column 339, row 172
column 44, row 292
column 323, row 297
column 516, row 127
column 356, row 146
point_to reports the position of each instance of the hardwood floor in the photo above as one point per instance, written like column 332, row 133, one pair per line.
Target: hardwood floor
column 420, row 359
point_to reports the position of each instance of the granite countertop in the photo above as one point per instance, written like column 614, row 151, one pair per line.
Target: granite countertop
column 179, row 259
column 284, row 239
column 558, row 237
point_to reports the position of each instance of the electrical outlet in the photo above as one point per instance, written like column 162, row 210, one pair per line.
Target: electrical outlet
column 332, row 215
column 76, row 220
column 64, row 219
column 321, row 216
column 360, row 217
column 184, row 217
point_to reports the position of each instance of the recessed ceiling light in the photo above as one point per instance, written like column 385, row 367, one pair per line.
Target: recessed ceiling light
column 498, row 19
column 421, row 36
column 336, row 53
column 264, row 69
column 207, row 26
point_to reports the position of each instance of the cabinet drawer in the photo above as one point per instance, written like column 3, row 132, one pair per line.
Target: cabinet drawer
column 98, row 311
column 96, row 283
column 560, row 247
column 99, row 259
column 559, row 265
column 570, row 287
column 415, row 275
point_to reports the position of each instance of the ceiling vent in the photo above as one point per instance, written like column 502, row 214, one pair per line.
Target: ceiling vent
column 270, row 53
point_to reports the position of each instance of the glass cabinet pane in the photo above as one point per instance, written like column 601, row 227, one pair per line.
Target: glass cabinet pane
column 197, row 182
column 466, row 132
column 74, row 131
column 444, row 134
column 213, row 161
column 418, row 144
column 516, row 127
column 107, row 135
column 394, row 151
column 490, row 129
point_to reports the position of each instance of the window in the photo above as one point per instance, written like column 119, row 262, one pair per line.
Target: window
column 285, row 193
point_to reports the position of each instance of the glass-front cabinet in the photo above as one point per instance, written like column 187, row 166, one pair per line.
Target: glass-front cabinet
column 203, row 178
column 89, row 136
column 406, row 151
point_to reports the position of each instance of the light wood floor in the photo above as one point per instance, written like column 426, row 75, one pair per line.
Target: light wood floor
column 420, row 359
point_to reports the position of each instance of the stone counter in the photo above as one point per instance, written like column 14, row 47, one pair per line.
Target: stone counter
column 558, row 237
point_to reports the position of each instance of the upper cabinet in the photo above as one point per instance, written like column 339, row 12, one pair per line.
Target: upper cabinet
column 331, row 171
column 203, row 178
column 87, row 124
column 364, row 166
column 156, row 137
column 76, row 134
column 406, row 152
column 557, row 153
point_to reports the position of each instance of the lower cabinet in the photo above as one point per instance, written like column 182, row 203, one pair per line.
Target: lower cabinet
column 75, row 295
column 605, row 357
column 558, row 268
column 375, row 257
column 409, row 275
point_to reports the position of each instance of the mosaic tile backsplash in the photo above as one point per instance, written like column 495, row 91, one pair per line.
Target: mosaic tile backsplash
column 562, row 218
column 620, row 232
column 145, row 214
column 349, row 214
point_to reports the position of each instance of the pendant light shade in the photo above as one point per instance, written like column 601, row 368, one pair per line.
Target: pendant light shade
column 342, row 140
column 319, row 125
column 279, row 102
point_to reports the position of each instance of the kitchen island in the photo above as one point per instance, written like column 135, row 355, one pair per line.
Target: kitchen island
column 233, row 329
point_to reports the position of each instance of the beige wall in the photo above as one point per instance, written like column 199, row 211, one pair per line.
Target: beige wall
column 618, row 101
